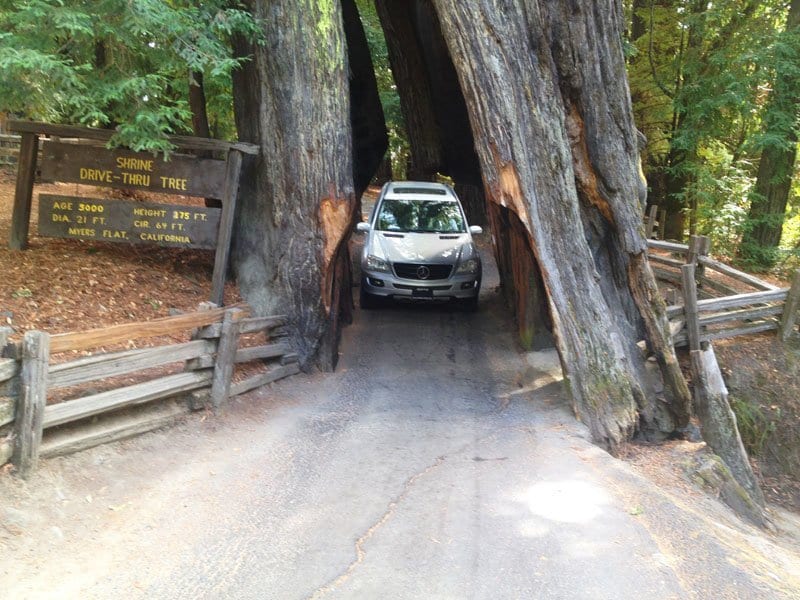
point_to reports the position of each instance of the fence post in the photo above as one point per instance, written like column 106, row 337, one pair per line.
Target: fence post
column 694, row 249
column 226, row 356
column 699, row 245
column 662, row 224
column 790, row 308
column 651, row 221
column 690, row 306
column 233, row 168
column 31, row 402
column 26, row 173
column 5, row 333
column 703, row 248
column 198, row 398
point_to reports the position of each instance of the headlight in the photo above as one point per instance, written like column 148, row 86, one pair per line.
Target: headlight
column 470, row 266
column 377, row 264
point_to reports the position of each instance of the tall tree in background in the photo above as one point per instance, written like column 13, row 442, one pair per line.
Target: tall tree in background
column 117, row 63
column 778, row 149
column 697, row 70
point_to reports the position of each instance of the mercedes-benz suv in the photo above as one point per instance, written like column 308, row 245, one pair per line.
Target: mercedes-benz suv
column 419, row 246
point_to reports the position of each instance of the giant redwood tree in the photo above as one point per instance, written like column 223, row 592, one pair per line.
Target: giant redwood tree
column 298, row 202
column 549, row 115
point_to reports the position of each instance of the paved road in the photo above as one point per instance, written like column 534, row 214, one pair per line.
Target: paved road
column 421, row 469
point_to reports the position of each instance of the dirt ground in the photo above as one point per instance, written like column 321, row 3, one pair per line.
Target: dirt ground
column 763, row 378
column 62, row 285
column 67, row 285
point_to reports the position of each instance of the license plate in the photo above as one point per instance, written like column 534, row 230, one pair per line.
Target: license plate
column 422, row 293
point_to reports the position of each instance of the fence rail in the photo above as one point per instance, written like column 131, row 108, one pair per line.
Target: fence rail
column 713, row 317
column 205, row 371
column 9, row 149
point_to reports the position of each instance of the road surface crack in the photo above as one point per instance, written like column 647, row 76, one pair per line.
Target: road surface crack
column 365, row 537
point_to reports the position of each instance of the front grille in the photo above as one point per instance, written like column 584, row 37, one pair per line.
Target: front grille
column 412, row 271
column 435, row 288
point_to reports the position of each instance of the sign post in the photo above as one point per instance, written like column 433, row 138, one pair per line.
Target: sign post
column 23, row 194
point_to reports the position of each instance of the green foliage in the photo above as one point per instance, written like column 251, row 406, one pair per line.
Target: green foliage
column 115, row 62
column 781, row 112
column 703, row 77
column 721, row 187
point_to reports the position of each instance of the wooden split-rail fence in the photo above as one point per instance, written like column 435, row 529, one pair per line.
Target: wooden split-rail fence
column 704, row 305
column 708, row 300
column 35, row 422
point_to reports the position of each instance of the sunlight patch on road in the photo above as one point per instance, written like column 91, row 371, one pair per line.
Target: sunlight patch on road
column 565, row 501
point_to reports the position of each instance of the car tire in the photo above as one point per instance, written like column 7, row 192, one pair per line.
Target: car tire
column 366, row 300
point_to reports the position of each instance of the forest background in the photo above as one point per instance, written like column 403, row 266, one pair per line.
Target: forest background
column 715, row 89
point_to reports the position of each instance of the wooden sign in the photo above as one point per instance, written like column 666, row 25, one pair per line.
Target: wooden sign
column 125, row 169
column 132, row 222
column 171, row 225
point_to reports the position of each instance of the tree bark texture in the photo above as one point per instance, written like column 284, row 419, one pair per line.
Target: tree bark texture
column 549, row 105
column 406, row 57
column 297, row 200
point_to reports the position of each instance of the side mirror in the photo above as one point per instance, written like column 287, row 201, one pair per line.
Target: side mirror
column 363, row 227
column 475, row 229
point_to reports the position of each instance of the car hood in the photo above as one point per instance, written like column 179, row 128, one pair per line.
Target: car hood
column 424, row 247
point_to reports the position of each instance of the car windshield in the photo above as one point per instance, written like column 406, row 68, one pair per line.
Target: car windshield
column 420, row 216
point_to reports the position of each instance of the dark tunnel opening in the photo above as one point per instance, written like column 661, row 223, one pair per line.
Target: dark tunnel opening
column 437, row 124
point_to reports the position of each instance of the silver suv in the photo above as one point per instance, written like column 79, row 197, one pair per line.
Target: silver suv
column 419, row 246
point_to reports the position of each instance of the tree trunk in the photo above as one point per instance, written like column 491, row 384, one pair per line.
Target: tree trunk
column 474, row 203
column 768, row 201
column 416, row 97
column 297, row 204
column 638, row 24
column 776, row 165
column 197, row 104
column 677, row 181
column 547, row 94
column 366, row 113
column 200, row 128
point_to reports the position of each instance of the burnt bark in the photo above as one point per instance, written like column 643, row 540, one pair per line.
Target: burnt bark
column 473, row 201
column 297, row 203
column 550, row 110
column 522, row 287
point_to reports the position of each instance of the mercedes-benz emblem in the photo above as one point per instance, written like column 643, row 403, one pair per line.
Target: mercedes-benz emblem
column 423, row 272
